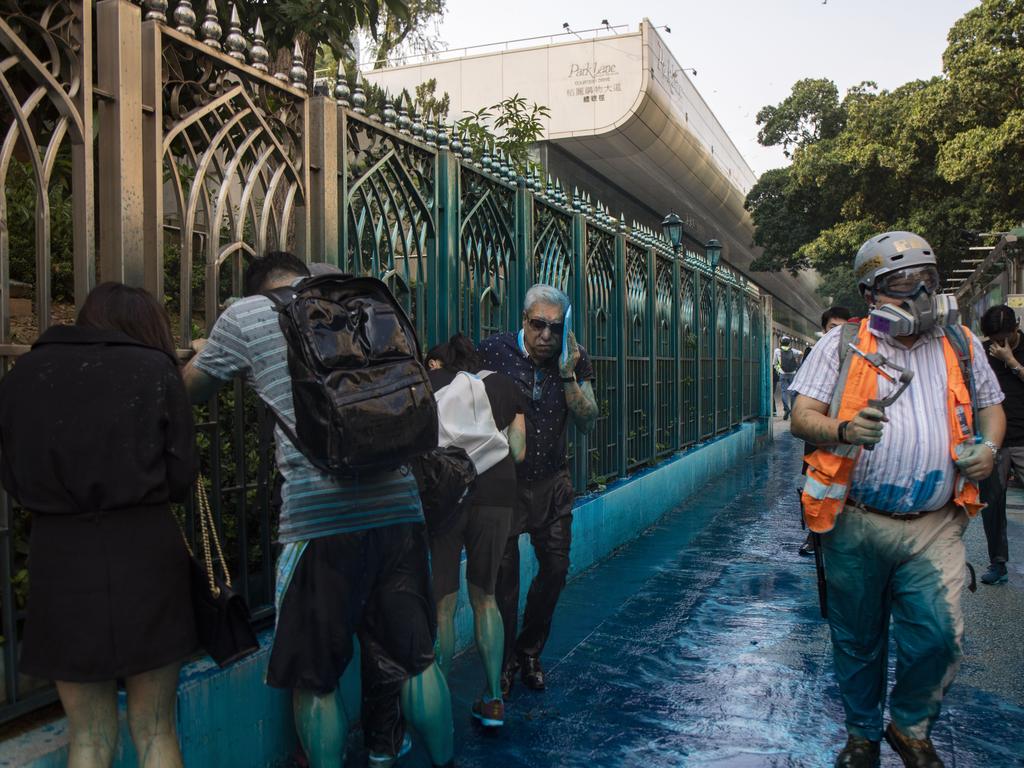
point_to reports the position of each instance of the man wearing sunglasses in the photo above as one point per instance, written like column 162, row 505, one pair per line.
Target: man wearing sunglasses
column 556, row 390
column 890, row 491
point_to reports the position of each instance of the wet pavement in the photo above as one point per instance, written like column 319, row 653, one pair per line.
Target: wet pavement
column 700, row 644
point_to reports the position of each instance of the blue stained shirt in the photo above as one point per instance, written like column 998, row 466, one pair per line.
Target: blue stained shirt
column 547, row 414
column 910, row 469
column 247, row 341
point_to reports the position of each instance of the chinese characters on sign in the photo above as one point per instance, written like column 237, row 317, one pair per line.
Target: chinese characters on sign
column 592, row 81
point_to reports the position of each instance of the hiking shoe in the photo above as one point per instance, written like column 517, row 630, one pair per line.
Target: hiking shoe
column 915, row 753
column 530, row 671
column 382, row 760
column 490, row 713
column 996, row 574
column 858, row 753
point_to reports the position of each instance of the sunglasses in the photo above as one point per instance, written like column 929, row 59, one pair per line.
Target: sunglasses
column 539, row 325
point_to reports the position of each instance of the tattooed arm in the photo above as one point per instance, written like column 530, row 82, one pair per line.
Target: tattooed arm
column 812, row 423
column 582, row 404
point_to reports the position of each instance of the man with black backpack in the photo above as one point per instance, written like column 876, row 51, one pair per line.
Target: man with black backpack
column 336, row 362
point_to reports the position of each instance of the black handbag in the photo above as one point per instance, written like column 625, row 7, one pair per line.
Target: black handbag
column 446, row 477
column 223, row 621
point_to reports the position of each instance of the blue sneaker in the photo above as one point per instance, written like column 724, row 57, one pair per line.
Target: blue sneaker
column 380, row 760
column 996, row 574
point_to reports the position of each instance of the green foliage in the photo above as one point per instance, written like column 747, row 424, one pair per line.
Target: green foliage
column 512, row 125
column 938, row 157
column 428, row 104
column 410, row 31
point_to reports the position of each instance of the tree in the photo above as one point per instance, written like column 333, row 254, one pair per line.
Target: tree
column 512, row 125
column 410, row 32
column 936, row 156
column 313, row 23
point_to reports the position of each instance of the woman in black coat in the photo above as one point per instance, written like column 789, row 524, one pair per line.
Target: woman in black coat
column 96, row 441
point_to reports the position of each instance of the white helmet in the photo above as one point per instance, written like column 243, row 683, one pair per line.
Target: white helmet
column 886, row 252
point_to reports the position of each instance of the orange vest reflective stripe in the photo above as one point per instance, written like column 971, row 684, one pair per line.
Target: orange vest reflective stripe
column 830, row 468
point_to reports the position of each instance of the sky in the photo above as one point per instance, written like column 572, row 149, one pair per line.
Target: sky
column 747, row 53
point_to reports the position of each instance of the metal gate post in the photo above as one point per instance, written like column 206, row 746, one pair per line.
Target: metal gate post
column 651, row 401
column 620, row 325
column 323, row 178
column 577, row 290
column 676, row 407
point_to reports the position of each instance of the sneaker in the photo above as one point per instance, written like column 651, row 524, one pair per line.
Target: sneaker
column 490, row 713
column 915, row 753
column 858, row 753
column 996, row 574
column 381, row 760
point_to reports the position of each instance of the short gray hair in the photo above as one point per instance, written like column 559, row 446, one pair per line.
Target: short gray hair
column 545, row 294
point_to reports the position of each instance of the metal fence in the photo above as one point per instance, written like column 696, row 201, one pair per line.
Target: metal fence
column 161, row 152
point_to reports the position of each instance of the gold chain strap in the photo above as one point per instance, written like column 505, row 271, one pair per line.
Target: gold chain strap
column 208, row 531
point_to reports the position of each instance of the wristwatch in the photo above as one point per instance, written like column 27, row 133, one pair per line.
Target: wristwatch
column 992, row 447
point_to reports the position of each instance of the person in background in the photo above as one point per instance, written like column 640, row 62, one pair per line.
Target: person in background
column 482, row 528
column 105, row 442
column 785, row 362
column 554, row 391
column 831, row 318
column 355, row 555
column 1006, row 355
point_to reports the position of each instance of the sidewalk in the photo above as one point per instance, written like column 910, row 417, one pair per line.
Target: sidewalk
column 700, row 644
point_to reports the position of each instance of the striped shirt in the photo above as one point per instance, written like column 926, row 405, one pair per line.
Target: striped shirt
column 910, row 469
column 247, row 341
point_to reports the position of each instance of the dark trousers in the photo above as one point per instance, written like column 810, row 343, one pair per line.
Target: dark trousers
column 993, row 492
column 544, row 510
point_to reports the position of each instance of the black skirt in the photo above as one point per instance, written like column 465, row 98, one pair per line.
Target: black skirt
column 108, row 595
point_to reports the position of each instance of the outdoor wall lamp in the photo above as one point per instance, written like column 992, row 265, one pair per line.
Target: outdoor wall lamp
column 672, row 229
column 713, row 249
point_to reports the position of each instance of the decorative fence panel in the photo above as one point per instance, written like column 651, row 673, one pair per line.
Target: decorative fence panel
column 170, row 150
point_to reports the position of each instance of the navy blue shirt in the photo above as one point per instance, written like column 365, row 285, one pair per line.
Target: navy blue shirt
column 547, row 415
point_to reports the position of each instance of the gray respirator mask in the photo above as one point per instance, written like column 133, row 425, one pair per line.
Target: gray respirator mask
column 914, row 315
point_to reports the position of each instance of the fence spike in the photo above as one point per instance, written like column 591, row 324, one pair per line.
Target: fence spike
column 389, row 114
column 442, row 135
column 259, row 56
column 485, row 161
column 341, row 90
column 404, row 121
column 185, row 18
column 298, row 71
column 235, row 41
column 622, row 221
column 429, row 132
column 156, row 10
column 417, row 124
column 358, row 98
column 456, row 143
column 210, row 28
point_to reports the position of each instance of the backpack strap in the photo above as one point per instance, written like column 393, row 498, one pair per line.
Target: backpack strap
column 281, row 297
column 959, row 339
column 848, row 333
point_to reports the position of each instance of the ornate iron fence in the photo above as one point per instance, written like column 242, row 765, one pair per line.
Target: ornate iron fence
column 168, row 149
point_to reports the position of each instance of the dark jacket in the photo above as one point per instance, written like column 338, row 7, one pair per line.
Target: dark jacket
column 93, row 421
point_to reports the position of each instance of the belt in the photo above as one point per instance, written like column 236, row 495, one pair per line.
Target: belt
column 885, row 513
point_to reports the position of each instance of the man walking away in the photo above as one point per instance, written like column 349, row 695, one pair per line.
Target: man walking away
column 1006, row 354
column 892, row 519
column 354, row 555
column 556, row 388
column 786, row 360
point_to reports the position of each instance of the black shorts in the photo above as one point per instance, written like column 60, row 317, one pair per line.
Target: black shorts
column 375, row 582
column 483, row 531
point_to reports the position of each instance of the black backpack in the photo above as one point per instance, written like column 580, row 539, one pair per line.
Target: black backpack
column 363, row 402
column 788, row 361
column 446, row 477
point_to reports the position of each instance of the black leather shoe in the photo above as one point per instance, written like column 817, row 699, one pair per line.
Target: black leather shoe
column 532, row 674
column 806, row 549
column 858, row 753
column 508, row 676
column 915, row 753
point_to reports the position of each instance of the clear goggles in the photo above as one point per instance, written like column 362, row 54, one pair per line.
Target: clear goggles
column 908, row 282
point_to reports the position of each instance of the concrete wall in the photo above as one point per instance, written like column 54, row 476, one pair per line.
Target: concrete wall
column 231, row 719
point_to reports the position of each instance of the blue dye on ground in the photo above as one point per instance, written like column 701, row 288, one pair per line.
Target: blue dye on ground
column 700, row 644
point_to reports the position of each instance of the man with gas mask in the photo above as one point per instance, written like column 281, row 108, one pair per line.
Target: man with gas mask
column 905, row 413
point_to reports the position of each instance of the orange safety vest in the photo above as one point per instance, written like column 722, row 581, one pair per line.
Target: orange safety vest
column 830, row 468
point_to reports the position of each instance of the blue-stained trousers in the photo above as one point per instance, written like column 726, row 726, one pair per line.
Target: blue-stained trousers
column 912, row 571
